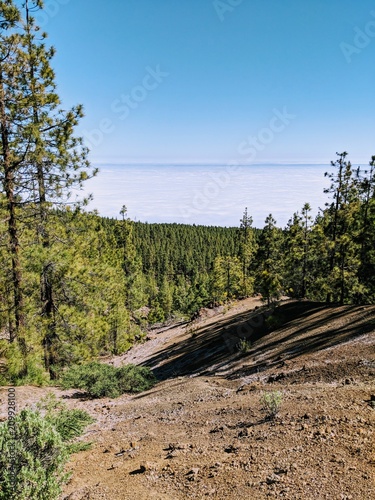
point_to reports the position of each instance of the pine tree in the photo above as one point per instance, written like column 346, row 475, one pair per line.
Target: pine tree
column 226, row 279
column 11, row 155
column 41, row 159
column 298, row 253
column 366, row 231
column 269, row 275
column 166, row 297
column 247, row 251
column 340, row 229
column 132, row 264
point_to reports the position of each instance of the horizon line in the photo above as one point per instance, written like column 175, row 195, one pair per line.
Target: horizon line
column 158, row 163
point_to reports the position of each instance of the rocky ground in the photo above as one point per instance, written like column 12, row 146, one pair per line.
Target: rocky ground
column 201, row 431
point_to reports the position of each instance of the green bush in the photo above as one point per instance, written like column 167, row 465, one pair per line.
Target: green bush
column 68, row 423
column 32, row 459
column 134, row 378
column 34, row 448
column 244, row 346
column 271, row 403
column 101, row 380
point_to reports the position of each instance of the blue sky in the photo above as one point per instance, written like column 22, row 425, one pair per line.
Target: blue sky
column 207, row 80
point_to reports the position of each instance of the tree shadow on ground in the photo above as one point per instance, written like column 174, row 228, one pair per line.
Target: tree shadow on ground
column 338, row 325
column 210, row 349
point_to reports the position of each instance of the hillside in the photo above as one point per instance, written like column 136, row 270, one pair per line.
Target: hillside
column 200, row 432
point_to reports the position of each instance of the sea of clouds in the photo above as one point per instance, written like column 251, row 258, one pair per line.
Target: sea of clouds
column 207, row 194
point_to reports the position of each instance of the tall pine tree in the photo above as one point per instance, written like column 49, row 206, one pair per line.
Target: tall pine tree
column 340, row 231
column 247, row 250
column 41, row 159
column 270, row 267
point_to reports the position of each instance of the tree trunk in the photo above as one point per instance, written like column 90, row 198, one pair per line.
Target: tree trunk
column 16, row 330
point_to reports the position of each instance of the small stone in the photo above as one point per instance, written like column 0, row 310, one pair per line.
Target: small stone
column 192, row 474
column 141, row 470
column 150, row 466
column 272, row 478
column 216, row 429
column 119, row 453
column 230, row 449
column 194, row 470
column 243, row 433
column 280, row 470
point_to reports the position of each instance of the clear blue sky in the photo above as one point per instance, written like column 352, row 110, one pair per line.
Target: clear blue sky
column 223, row 68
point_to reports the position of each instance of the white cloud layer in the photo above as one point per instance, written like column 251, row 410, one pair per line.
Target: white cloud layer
column 209, row 195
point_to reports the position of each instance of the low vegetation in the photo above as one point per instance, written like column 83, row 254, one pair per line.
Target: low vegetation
column 101, row 380
column 35, row 449
column 271, row 403
column 244, row 346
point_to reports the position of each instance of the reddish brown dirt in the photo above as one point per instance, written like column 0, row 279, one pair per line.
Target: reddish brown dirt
column 201, row 432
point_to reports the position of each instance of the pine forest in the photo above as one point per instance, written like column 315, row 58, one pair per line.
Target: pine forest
column 75, row 285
